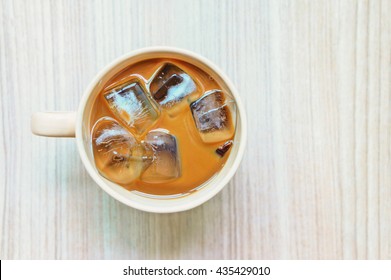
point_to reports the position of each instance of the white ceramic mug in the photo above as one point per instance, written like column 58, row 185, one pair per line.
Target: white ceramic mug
column 76, row 124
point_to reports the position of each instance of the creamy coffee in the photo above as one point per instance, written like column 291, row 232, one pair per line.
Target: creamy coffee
column 162, row 127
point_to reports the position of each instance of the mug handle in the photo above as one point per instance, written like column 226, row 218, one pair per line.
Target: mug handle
column 54, row 124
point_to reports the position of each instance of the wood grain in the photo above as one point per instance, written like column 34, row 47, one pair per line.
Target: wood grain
column 315, row 182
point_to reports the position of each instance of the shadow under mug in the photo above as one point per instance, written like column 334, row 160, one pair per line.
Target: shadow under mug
column 76, row 124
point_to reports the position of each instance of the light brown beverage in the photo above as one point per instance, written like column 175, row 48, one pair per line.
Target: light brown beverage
column 199, row 155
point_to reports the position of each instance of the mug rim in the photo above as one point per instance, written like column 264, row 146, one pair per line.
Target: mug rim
column 148, row 208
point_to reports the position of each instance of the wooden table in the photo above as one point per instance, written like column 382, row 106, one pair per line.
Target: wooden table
column 315, row 182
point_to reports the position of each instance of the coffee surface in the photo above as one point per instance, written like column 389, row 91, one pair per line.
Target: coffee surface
column 199, row 159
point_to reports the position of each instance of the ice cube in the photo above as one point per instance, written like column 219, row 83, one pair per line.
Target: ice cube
column 118, row 156
column 171, row 86
column 223, row 149
column 166, row 162
column 214, row 116
column 130, row 103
